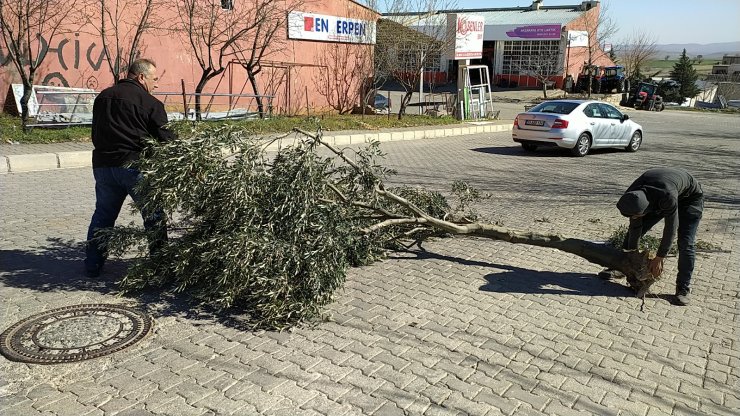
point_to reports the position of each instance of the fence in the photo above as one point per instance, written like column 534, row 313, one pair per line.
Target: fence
column 62, row 106
column 219, row 106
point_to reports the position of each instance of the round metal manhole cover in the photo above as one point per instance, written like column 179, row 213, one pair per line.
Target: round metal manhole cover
column 74, row 333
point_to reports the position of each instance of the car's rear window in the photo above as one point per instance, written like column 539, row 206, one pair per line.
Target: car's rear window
column 557, row 107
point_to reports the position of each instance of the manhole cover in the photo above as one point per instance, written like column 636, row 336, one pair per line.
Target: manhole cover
column 74, row 333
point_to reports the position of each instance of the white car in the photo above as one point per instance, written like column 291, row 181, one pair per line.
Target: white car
column 578, row 125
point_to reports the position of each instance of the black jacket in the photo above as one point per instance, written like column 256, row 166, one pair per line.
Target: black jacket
column 123, row 115
column 666, row 189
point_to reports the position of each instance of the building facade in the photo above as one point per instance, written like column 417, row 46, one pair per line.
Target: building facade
column 321, row 56
column 521, row 40
column 315, row 42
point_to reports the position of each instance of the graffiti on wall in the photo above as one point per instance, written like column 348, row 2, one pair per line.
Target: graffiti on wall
column 66, row 58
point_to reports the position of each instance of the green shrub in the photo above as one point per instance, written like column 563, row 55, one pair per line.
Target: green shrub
column 648, row 242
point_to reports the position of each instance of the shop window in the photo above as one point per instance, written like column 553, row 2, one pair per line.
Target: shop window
column 408, row 59
column 518, row 53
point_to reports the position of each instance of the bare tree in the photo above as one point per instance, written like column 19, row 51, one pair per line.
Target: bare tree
column 211, row 28
column 636, row 51
column 28, row 27
column 412, row 37
column 267, row 20
column 542, row 67
column 346, row 78
column 339, row 82
column 600, row 28
column 121, row 26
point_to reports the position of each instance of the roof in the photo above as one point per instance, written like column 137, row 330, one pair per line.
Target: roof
column 364, row 6
column 529, row 17
column 499, row 16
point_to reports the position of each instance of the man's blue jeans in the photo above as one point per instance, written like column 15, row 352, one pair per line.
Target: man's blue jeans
column 689, row 216
column 112, row 185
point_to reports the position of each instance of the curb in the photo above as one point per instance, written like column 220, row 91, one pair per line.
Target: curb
column 82, row 159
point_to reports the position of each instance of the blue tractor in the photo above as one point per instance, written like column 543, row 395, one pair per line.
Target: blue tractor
column 612, row 78
column 604, row 79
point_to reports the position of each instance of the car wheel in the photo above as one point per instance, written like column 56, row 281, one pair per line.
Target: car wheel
column 583, row 145
column 635, row 142
column 529, row 147
column 620, row 87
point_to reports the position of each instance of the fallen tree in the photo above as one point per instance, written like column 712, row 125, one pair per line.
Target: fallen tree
column 272, row 233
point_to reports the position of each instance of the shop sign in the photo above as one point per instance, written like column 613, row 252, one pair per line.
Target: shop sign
column 312, row 26
column 577, row 38
column 523, row 32
column 468, row 29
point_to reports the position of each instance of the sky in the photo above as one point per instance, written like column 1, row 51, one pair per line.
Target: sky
column 668, row 21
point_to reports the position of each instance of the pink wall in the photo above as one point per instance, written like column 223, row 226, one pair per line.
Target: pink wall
column 75, row 59
column 577, row 56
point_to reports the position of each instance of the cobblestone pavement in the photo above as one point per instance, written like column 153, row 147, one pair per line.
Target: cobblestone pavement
column 466, row 326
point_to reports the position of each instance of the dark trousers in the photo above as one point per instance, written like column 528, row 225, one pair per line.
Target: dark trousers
column 689, row 216
column 112, row 185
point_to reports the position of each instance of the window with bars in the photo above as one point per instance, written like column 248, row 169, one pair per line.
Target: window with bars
column 518, row 54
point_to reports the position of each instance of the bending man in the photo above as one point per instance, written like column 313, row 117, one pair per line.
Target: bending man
column 674, row 195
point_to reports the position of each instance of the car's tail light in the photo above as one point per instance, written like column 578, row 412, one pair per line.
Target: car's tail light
column 516, row 122
column 560, row 124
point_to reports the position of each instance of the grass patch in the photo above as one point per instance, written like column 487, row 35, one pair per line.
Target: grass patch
column 342, row 122
column 11, row 131
column 648, row 242
column 666, row 66
column 10, row 127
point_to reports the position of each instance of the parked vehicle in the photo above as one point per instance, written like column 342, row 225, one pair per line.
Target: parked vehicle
column 645, row 97
column 381, row 102
column 612, row 78
column 603, row 79
column 591, row 72
column 577, row 125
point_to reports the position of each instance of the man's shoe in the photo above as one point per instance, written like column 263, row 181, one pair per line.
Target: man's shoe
column 683, row 298
column 611, row 274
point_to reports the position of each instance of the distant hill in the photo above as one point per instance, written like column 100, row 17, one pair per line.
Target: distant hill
column 708, row 51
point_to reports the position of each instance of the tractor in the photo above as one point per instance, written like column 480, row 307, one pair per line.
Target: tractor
column 587, row 72
column 603, row 79
column 612, row 78
column 645, row 97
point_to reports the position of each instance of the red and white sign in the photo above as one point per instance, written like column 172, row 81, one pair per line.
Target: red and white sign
column 312, row 26
column 468, row 29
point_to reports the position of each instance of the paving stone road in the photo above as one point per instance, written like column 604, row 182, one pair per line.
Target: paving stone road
column 466, row 326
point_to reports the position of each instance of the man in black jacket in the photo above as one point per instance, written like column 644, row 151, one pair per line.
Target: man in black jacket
column 674, row 195
column 123, row 115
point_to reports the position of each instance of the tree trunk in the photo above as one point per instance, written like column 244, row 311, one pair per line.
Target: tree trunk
column 253, row 81
column 632, row 263
column 25, row 98
column 404, row 103
column 198, row 90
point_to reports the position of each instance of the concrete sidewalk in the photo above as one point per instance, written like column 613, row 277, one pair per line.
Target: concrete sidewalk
column 38, row 157
column 16, row 158
column 462, row 326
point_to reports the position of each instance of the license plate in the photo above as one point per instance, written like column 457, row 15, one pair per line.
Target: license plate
column 534, row 122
